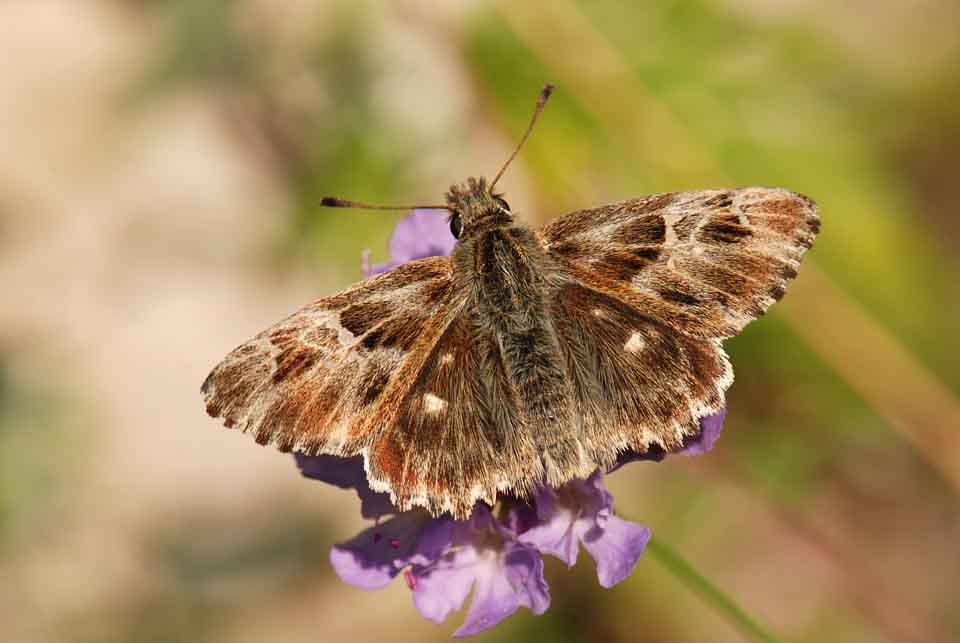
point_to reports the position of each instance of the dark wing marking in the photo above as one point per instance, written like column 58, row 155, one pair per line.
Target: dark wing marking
column 652, row 287
column 318, row 381
column 706, row 263
column 394, row 369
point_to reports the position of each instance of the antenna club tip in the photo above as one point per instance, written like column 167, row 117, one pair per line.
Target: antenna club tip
column 545, row 93
column 331, row 202
column 541, row 103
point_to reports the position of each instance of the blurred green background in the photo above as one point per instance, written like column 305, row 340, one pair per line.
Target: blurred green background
column 160, row 168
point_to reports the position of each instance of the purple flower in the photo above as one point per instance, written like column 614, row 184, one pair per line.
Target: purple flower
column 422, row 233
column 486, row 556
column 495, row 553
column 442, row 560
column 581, row 513
column 347, row 473
column 710, row 428
column 372, row 558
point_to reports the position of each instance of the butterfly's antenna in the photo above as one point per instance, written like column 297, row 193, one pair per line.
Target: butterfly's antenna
column 334, row 202
column 541, row 103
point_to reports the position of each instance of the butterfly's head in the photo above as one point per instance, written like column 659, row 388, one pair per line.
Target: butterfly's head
column 472, row 205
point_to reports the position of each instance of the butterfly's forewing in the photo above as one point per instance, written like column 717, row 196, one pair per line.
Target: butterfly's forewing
column 655, row 284
column 705, row 262
column 322, row 380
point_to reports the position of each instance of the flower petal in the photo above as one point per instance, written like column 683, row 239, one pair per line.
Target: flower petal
column 581, row 511
column 370, row 270
column 554, row 533
column 524, row 570
column 615, row 548
column 341, row 472
column 518, row 516
column 504, row 583
column 710, row 428
column 375, row 556
column 346, row 473
column 444, row 586
column 423, row 233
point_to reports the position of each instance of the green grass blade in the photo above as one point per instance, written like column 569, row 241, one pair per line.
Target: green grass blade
column 694, row 580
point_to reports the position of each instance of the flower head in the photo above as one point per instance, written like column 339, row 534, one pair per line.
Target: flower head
column 486, row 556
column 496, row 554
column 422, row 233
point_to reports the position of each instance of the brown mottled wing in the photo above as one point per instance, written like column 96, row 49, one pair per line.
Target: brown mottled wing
column 636, row 381
column 653, row 286
column 459, row 435
column 704, row 262
column 320, row 381
column 396, row 369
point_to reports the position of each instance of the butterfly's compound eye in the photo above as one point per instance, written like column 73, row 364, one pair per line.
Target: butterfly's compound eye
column 456, row 225
column 503, row 204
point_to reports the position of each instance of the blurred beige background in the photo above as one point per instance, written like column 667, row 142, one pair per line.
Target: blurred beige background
column 160, row 166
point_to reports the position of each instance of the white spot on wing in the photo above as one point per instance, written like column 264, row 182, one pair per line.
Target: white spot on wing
column 331, row 319
column 635, row 344
column 433, row 404
column 670, row 235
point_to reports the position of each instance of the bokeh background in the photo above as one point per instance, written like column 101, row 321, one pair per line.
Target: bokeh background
column 161, row 163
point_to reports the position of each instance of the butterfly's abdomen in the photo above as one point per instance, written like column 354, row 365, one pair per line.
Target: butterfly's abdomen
column 509, row 268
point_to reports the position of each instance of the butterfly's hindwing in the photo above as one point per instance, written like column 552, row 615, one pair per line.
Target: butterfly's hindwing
column 459, row 435
column 637, row 382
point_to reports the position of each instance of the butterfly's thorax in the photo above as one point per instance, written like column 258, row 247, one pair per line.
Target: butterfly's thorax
column 508, row 276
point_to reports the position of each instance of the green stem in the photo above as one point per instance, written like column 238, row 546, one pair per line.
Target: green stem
column 686, row 574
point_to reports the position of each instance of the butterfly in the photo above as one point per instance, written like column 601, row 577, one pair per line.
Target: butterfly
column 526, row 357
